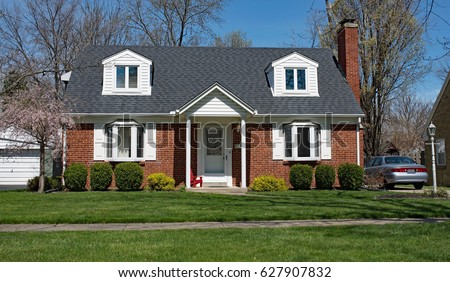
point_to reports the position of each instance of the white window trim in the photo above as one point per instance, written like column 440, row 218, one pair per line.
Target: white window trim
column 115, row 131
column 295, row 90
column 312, row 140
column 440, row 146
column 126, row 89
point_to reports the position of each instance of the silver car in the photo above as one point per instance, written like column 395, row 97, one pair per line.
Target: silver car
column 392, row 170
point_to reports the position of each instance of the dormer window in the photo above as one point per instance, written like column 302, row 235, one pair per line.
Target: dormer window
column 127, row 77
column 293, row 75
column 127, row 73
column 295, row 79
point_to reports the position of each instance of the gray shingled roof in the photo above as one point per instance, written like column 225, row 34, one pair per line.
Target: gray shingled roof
column 181, row 73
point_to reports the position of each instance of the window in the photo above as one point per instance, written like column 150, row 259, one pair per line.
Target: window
column 295, row 79
column 125, row 141
column 302, row 142
column 377, row 162
column 126, row 77
column 440, row 152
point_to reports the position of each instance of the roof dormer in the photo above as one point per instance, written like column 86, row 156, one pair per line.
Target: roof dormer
column 127, row 73
column 293, row 75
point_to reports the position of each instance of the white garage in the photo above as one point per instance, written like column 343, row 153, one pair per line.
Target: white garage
column 17, row 166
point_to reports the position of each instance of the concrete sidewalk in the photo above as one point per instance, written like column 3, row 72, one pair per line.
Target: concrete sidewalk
column 209, row 225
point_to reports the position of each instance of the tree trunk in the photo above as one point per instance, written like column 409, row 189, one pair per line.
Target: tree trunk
column 41, row 168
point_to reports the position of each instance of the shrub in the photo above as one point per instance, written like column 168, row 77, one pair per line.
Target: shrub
column 161, row 182
column 325, row 176
column 101, row 176
column 75, row 177
column 50, row 184
column 268, row 183
column 351, row 176
column 300, row 176
column 129, row 176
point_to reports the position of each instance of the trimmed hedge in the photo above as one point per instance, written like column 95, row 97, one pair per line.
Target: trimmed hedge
column 351, row 176
column 325, row 176
column 160, row 182
column 75, row 177
column 300, row 176
column 101, row 176
column 129, row 176
column 268, row 183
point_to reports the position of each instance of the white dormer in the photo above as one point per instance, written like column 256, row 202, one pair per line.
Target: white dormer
column 293, row 75
column 127, row 73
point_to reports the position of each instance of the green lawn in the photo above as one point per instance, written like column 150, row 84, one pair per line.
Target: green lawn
column 115, row 207
column 396, row 242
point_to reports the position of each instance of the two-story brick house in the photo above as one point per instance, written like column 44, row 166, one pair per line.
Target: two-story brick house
column 227, row 114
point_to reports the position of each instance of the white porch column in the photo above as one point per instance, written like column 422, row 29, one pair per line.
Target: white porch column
column 188, row 152
column 243, row 155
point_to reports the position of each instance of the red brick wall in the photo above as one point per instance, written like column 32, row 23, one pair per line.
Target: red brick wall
column 259, row 152
column 171, row 153
column 170, row 150
column 171, row 156
column 80, row 145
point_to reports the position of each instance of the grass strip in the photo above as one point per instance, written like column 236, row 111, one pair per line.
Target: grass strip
column 128, row 207
column 387, row 243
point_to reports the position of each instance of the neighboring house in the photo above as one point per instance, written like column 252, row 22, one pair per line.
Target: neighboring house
column 19, row 160
column 441, row 119
column 227, row 114
column 16, row 166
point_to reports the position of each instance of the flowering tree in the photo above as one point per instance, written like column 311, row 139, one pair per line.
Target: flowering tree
column 36, row 115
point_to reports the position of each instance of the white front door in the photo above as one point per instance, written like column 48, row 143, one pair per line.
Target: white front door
column 214, row 150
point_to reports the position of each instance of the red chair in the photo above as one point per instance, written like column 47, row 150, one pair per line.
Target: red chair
column 196, row 180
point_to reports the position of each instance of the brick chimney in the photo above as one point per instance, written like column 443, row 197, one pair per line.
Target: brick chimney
column 348, row 53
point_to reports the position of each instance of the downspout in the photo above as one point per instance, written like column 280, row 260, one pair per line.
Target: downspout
column 64, row 145
column 358, row 152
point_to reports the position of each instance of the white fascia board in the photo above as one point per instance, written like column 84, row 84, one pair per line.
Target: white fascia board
column 312, row 115
column 124, row 53
column 121, row 114
column 292, row 56
column 212, row 88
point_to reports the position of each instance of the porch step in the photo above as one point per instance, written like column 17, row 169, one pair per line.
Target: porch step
column 215, row 184
column 219, row 190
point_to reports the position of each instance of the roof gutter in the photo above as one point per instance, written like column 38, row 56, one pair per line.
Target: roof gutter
column 172, row 113
column 312, row 115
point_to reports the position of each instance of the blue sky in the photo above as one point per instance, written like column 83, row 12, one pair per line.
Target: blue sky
column 271, row 23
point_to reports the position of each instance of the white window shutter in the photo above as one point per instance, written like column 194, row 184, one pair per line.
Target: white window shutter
column 150, row 142
column 277, row 143
column 99, row 142
column 325, row 143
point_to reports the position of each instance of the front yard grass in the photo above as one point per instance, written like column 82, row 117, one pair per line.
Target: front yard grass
column 394, row 242
column 127, row 207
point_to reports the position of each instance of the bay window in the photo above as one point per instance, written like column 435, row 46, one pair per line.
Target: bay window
column 302, row 141
column 124, row 141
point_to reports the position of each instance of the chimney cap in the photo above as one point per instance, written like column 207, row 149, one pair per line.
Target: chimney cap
column 347, row 20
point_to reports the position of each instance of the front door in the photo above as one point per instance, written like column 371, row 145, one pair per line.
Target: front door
column 214, row 142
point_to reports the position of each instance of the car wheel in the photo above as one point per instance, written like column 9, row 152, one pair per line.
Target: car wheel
column 388, row 186
column 418, row 186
